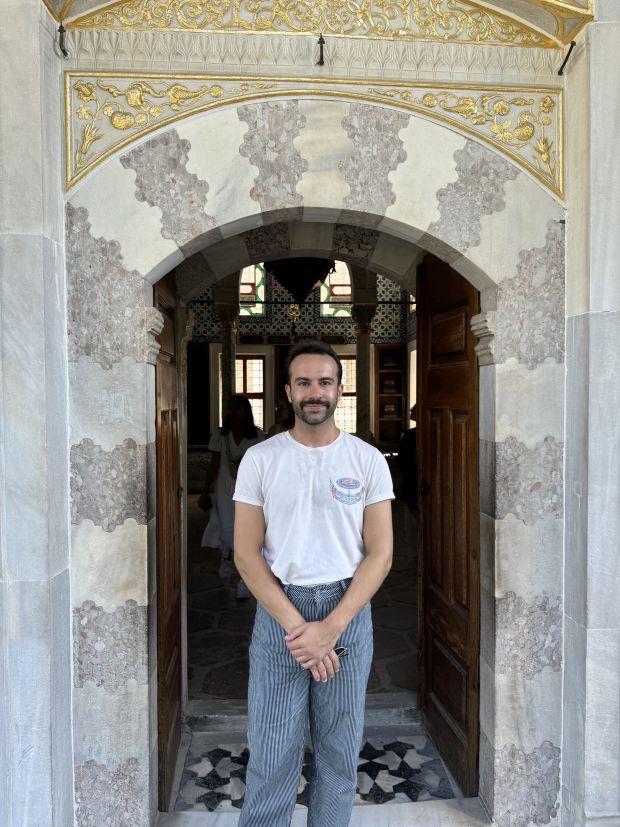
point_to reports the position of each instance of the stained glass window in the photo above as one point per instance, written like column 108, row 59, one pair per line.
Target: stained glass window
column 336, row 292
column 252, row 291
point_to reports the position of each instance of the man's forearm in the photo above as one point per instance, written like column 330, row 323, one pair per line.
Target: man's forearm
column 266, row 588
column 367, row 579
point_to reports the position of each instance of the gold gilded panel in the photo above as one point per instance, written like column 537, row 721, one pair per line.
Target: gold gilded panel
column 439, row 20
column 107, row 112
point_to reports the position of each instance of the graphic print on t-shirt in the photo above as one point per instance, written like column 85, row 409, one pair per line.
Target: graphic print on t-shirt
column 346, row 490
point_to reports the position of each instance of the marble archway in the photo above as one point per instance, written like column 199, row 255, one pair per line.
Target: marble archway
column 375, row 185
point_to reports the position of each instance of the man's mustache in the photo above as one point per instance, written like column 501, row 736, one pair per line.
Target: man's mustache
column 314, row 402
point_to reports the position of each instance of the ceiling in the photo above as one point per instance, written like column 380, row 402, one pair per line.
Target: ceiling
column 560, row 20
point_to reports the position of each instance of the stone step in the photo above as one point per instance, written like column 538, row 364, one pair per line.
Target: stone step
column 382, row 710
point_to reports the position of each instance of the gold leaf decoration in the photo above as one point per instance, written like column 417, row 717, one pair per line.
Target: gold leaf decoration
column 438, row 20
column 106, row 112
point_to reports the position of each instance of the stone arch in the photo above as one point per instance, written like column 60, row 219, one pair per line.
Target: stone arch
column 377, row 186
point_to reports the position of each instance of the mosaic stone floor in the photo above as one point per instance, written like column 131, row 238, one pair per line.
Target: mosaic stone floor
column 219, row 626
column 391, row 770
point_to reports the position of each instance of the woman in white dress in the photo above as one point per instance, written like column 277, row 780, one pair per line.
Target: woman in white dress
column 228, row 444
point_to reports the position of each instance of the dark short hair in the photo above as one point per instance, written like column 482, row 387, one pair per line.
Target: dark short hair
column 311, row 347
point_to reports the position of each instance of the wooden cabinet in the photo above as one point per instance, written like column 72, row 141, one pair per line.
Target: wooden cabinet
column 390, row 394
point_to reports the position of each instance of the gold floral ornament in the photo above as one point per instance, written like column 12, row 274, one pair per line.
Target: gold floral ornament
column 487, row 109
column 407, row 20
column 137, row 107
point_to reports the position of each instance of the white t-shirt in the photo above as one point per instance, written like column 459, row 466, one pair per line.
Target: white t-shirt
column 313, row 500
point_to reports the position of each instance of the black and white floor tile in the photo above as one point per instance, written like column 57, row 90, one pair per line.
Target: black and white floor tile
column 399, row 770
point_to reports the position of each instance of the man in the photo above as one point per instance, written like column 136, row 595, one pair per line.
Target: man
column 313, row 542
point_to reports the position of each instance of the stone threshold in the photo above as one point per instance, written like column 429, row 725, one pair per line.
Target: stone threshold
column 462, row 812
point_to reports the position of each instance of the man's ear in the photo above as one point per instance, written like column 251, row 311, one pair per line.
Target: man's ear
column 287, row 389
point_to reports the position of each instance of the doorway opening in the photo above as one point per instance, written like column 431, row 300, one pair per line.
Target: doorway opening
column 219, row 624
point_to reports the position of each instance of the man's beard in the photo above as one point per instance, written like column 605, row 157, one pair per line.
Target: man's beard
column 314, row 417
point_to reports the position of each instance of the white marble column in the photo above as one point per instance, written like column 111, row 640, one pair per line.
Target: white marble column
column 36, row 773
column 591, row 769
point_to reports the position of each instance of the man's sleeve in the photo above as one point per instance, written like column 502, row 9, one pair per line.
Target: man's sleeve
column 248, row 487
column 380, row 485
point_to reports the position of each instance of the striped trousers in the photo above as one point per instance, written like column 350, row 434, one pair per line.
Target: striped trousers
column 283, row 698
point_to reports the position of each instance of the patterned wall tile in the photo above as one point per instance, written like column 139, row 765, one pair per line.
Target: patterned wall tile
column 112, row 796
column 109, row 648
column 376, row 151
column 105, row 302
column 529, row 635
column 527, row 785
column 389, row 324
column 269, row 145
column 162, row 180
column 528, row 481
column 108, row 487
column 531, row 305
column 477, row 191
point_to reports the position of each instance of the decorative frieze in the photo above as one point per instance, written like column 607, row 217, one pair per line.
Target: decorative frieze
column 411, row 20
column 106, row 112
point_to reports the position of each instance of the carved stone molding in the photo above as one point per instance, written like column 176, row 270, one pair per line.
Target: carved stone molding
column 483, row 328
column 106, row 112
column 148, row 51
column 154, row 323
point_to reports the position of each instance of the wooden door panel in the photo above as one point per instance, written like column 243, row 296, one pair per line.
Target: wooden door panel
column 169, row 676
column 449, row 515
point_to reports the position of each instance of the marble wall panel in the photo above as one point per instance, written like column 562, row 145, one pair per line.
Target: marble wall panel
column 163, row 181
column 477, row 191
column 23, row 392
column 527, row 206
column 376, row 150
column 108, row 406
column 415, row 184
column 528, row 634
column 109, row 648
column 602, row 741
column 108, row 487
column 214, row 157
column 528, row 482
column 109, row 567
column 62, row 713
column 129, row 222
column 528, row 559
column 529, row 402
column 531, row 304
column 323, row 182
column 526, row 785
column 105, row 301
column 269, row 145
column 603, row 476
column 114, row 796
column 577, row 476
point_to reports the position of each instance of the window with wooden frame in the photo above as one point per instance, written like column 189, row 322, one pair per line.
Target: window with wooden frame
column 346, row 412
column 250, row 381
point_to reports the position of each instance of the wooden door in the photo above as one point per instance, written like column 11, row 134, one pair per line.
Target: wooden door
column 168, row 547
column 447, row 444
